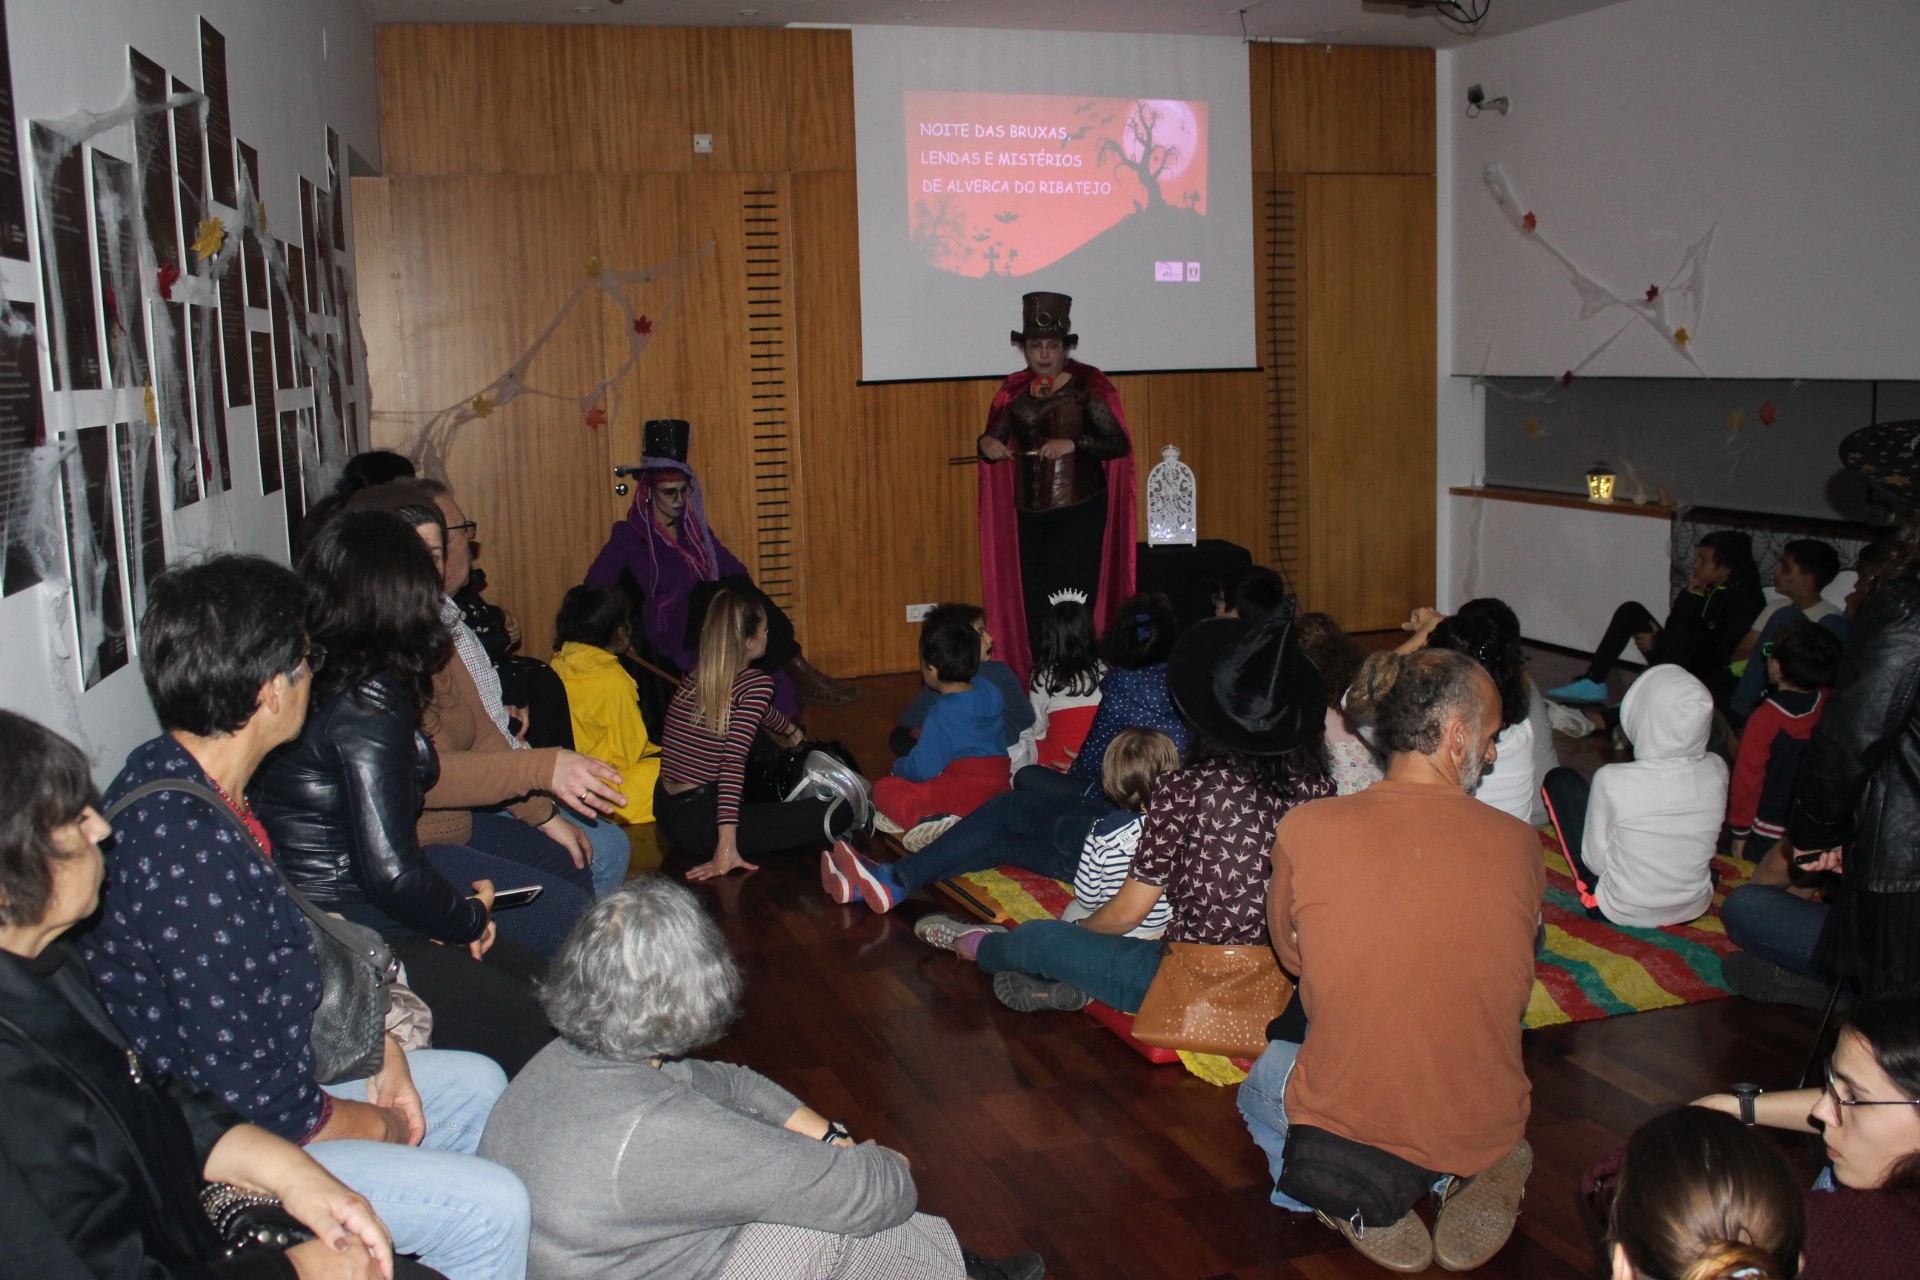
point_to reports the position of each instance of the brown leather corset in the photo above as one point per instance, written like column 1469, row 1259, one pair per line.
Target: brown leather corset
column 1047, row 484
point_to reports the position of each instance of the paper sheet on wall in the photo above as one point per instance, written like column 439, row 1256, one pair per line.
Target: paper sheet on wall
column 93, row 556
column 22, row 427
column 13, row 191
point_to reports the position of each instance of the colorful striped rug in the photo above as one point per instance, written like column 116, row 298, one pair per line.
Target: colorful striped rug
column 1590, row 969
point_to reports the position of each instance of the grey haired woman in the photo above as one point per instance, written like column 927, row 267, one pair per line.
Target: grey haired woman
column 642, row 1162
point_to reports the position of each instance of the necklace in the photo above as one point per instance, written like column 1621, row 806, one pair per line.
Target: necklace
column 1043, row 387
column 245, row 812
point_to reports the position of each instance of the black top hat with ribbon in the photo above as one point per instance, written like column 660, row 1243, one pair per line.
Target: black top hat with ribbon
column 666, row 438
column 1045, row 315
column 1887, row 456
column 1248, row 686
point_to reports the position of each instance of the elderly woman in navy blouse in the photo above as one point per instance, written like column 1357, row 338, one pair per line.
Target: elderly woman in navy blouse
column 208, row 966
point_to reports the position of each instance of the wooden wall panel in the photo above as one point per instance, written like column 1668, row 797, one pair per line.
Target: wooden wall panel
column 1370, row 358
column 1341, row 109
column 469, row 99
column 820, row 112
column 647, row 127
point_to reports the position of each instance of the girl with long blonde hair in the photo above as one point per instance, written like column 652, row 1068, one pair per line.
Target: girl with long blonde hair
column 720, row 708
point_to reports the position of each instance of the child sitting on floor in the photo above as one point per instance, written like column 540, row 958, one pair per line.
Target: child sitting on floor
column 960, row 760
column 1065, row 837
column 1065, row 688
column 602, row 699
column 1802, row 660
column 1641, row 837
column 1016, row 714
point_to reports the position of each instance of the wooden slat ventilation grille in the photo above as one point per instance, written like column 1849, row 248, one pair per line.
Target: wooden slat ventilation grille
column 768, row 286
column 1286, row 460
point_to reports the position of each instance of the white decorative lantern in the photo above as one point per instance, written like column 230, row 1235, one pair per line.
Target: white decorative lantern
column 1171, row 503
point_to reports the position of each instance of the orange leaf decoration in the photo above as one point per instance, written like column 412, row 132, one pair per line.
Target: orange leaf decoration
column 1736, row 422
column 643, row 326
column 1529, row 222
column 169, row 276
column 594, row 267
column 596, row 417
column 1768, row 412
column 482, row 407
column 147, row 403
column 1533, row 428
column 208, row 239
column 1681, row 337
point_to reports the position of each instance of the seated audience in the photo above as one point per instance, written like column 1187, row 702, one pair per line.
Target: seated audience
column 1641, row 837
column 1016, row 712
column 960, row 760
column 644, row 1161
column 1801, row 662
column 1338, row 656
column 224, row 651
column 1419, row 1082
column 1863, row 1213
column 1257, row 707
column 1704, row 626
column 592, row 630
column 101, row 1167
column 1701, row 1197
column 1805, row 569
column 1064, row 690
column 1058, row 836
column 1778, row 920
column 1546, row 757
column 581, row 789
column 340, row 802
column 717, row 712
column 1252, row 592
column 1133, row 693
column 667, row 551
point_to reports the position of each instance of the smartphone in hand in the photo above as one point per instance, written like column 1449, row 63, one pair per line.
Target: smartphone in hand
column 505, row 898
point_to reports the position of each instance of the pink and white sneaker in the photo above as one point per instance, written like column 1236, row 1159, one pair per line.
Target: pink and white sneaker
column 836, row 886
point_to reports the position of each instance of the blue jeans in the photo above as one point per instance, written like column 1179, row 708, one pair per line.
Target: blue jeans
column 1032, row 829
column 465, row 1217
column 1777, row 926
column 612, row 851
column 1114, row 970
column 1038, row 778
column 542, row 924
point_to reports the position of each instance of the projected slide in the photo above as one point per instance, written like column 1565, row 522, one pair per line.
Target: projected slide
column 1008, row 184
column 1113, row 168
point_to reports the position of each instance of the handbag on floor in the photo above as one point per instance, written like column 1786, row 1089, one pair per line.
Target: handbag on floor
column 356, row 965
column 1348, row 1180
column 1213, row 999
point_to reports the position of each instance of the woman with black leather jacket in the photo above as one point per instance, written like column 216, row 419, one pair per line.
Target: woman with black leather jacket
column 340, row 802
column 101, row 1163
column 1857, row 807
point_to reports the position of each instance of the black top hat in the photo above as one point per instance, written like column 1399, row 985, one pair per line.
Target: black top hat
column 1045, row 315
column 1885, row 456
column 1248, row 686
column 666, row 438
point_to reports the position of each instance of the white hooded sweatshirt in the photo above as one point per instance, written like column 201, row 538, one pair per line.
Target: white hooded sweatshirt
column 1652, row 824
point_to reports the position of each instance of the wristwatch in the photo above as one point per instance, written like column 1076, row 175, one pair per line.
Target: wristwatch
column 836, row 1130
column 1745, row 1094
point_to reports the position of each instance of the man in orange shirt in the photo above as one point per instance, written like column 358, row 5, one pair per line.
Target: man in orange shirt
column 1409, row 911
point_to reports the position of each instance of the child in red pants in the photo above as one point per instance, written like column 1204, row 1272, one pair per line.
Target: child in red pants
column 960, row 761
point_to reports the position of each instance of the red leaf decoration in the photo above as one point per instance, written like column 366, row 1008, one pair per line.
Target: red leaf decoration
column 1566, row 379
column 643, row 326
column 1529, row 222
column 596, row 417
column 1653, row 291
column 168, row 275
column 1768, row 412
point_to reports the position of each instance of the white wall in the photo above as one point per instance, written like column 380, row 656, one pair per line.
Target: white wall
column 294, row 68
column 1794, row 125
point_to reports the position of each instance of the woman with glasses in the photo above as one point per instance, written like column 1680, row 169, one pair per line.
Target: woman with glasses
column 1863, row 1214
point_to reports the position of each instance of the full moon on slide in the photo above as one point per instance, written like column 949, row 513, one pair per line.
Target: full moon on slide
column 1173, row 127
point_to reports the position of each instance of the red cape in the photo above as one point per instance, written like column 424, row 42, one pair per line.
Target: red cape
column 1000, row 529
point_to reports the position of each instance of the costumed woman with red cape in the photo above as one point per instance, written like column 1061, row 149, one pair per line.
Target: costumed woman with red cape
column 1056, row 486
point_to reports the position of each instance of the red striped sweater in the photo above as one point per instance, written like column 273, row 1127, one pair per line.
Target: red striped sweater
column 694, row 753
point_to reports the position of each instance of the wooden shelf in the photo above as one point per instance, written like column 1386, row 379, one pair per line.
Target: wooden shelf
column 1547, row 498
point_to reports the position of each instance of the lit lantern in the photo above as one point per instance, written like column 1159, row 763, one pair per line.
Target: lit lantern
column 1171, row 503
column 1600, row 483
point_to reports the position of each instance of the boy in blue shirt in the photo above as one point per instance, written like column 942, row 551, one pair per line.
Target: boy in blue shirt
column 960, row 761
column 1016, row 712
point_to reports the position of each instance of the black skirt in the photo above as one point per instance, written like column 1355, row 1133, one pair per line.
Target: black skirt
column 1060, row 549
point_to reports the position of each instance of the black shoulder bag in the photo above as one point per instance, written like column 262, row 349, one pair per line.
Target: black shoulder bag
column 356, row 965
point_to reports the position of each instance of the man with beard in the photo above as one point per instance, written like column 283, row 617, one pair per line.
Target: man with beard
column 1408, row 910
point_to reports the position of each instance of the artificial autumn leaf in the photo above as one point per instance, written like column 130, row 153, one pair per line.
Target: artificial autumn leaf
column 147, row 402
column 1533, row 428
column 1736, row 422
column 1768, row 412
column 482, row 407
column 594, row 267
column 1681, row 337
column 1566, row 379
column 1653, row 291
column 169, row 276
column 208, row 239
column 596, row 417
column 643, row 326
column 1529, row 222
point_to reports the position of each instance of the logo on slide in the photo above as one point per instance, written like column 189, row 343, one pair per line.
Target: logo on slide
column 1005, row 184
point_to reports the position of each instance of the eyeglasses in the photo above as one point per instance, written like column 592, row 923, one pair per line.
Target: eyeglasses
column 315, row 658
column 469, row 528
column 1833, row 1091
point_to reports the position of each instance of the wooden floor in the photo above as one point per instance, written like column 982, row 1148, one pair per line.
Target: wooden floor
column 1043, row 1131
